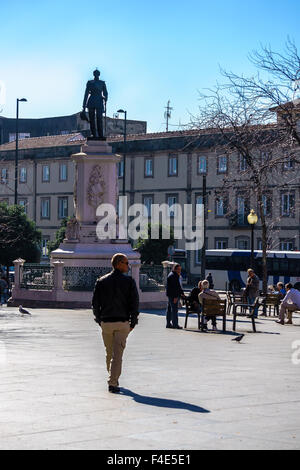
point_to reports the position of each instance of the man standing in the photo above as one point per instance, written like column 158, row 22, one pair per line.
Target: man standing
column 290, row 303
column 174, row 292
column 116, row 309
column 252, row 289
column 95, row 99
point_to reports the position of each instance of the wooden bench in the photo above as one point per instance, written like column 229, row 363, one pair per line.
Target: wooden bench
column 215, row 307
column 272, row 301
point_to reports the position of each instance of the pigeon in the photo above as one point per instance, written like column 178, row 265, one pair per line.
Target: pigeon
column 238, row 338
column 23, row 311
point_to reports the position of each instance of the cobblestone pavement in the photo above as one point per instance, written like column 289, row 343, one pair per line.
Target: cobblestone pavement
column 182, row 389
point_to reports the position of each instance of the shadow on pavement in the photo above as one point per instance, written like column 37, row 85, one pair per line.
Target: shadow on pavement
column 163, row 402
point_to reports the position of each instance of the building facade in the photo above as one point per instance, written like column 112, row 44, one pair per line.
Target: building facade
column 160, row 168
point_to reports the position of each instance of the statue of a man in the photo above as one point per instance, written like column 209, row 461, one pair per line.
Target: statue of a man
column 95, row 99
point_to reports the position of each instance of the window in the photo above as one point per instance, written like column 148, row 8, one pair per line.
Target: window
column 23, row 175
column 62, row 207
column 287, row 204
column 265, row 157
column 121, row 169
column 45, row 251
column 221, row 243
column 45, row 208
column 242, row 163
column 46, row 174
column 220, row 208
column 171, row 200
column 199, row 208
column 287, row 245
column 147, row 201
column 63, row 172
column 267, row 203
column 23, row 203
column 288, row 164
column 21, row 135
column 241, row 209
column 4, row 176
column 242, row 243
column 202, row 165
column 222, row 164
column 148, row 167
column 173, row 166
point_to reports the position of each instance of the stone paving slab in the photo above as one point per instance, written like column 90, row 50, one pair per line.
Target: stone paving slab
column 181, row 389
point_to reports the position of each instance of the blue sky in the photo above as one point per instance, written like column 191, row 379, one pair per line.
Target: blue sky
column 147, row 52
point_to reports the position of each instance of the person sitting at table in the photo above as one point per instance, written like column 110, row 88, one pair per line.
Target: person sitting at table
column 208, row 293
column 290, row 303
column 280, row 290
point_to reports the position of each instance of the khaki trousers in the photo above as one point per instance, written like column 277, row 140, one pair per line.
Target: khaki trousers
column 114, row 336
column 289, row 307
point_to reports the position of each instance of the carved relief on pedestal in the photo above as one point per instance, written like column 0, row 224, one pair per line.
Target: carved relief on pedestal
column 96, row 187
column 72, row 230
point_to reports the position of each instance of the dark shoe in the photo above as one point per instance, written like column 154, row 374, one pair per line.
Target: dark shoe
column 177, row 327
column 113, row 389
column 169, row 326
column 280, row 322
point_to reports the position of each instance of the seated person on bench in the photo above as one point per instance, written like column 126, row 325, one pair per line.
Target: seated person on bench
column 208, row 293
column 194, row 297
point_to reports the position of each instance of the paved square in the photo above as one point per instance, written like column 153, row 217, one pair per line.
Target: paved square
column 182, row 389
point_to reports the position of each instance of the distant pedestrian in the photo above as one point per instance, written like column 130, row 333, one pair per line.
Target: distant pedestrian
column 252, row 289
column 116, row 309
column 208, row 293
column 174, row 292
column 290, row 303
column 3, row 290
column 209, row 278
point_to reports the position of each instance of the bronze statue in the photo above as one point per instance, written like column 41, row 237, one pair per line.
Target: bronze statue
column 95, row 99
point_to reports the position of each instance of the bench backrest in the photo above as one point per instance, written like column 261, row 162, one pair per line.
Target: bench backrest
column 214, row 307
column 272, row 299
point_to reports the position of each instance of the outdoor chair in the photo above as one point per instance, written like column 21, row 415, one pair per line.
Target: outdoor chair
column 245, row 310
column 215, row 307
column 272, row 301
column 190, row 310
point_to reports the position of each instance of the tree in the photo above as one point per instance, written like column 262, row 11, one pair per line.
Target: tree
column 154, row 251
column 59, row 236
column 242, row 112
column 19, row 237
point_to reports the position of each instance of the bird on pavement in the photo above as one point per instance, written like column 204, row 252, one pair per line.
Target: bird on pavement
column 23, row 311
column 238, row 338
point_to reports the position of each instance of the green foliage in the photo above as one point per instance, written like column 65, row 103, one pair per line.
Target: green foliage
column 19, row 237
column 154, row 251
column 59, row 236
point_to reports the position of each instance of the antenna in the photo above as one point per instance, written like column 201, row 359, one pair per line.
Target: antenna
column 167, row 115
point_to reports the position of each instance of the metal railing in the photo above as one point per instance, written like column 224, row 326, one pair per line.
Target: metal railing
column 37, row 277
column 82, row 278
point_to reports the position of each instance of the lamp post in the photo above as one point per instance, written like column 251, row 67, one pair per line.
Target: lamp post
column 252, row 220
column 121, row 111
column 203, row 251
column 17, row 149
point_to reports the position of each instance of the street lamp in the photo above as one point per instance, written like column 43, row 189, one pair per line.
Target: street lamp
column 252, row 220
column 121, row 111
column 17, row 149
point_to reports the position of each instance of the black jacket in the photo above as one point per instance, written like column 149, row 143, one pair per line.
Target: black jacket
column 116, row 298
column 173, row 286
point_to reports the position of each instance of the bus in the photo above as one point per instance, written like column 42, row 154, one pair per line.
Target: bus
column 229, row 267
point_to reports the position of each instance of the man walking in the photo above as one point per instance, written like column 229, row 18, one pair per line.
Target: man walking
column 174, row 292
column 116, row 309
column 290, row 303
column 252, row 289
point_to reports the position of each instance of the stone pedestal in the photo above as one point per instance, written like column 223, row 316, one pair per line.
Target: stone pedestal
column 96, row 182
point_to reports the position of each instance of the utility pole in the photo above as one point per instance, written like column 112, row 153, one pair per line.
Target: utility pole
column 203, row 252
column 168, row 115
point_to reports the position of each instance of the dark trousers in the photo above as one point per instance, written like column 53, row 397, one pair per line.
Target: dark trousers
column 96, row 116
column 172, row 313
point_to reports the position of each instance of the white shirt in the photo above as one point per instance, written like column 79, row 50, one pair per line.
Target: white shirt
column 292, row 297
